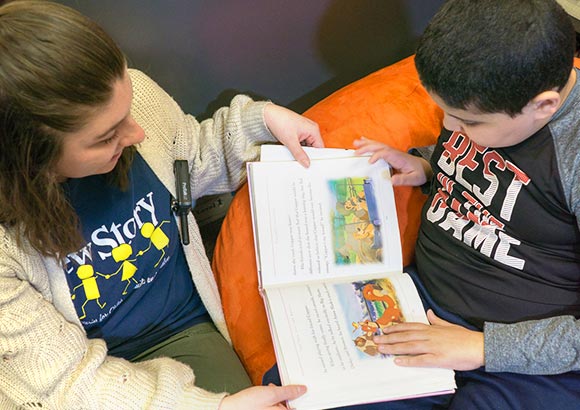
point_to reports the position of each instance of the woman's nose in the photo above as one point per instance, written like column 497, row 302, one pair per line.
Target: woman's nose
column 132, row 133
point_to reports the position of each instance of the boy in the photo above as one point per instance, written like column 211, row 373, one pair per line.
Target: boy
column 499, row 244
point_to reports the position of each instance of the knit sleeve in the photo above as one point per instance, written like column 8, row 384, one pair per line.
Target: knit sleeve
column 548, row 346
column 47, row 362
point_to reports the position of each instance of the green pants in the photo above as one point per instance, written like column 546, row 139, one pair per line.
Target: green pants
column 216, row 366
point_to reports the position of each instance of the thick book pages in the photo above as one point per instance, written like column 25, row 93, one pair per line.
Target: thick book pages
column 329, row 262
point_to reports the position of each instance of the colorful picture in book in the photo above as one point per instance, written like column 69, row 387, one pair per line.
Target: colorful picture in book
column 380, row 308
column 355, row 222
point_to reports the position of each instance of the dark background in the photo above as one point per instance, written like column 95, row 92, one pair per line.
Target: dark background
column 294, row 52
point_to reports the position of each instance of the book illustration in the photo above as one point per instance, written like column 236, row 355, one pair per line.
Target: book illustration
column 355, row 221
column 369, row 307
column 378, row 308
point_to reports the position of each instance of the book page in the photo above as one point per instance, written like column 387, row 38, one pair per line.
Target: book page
column 332, row 220
column 325, row 333
column 271, row 152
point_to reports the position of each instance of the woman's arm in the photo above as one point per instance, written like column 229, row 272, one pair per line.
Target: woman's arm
column 48, row 360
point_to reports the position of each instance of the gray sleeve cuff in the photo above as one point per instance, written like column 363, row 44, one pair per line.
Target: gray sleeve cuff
column 548, row 346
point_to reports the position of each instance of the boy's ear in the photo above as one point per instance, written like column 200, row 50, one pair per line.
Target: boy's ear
column 546, row 104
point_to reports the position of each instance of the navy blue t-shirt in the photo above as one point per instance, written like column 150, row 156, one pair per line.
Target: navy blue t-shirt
column 130, row 283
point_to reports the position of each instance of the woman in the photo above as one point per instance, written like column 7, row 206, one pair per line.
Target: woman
column 96, row 287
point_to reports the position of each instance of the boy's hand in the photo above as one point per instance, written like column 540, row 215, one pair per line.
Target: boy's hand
column 262, row 397
column 409, row 170
column 292, row 130
column 441, row 344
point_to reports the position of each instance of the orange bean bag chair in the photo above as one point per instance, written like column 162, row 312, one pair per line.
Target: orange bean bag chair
column 389, row 105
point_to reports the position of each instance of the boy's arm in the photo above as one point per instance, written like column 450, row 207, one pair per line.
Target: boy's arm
column 547, row 346
column 552, row 345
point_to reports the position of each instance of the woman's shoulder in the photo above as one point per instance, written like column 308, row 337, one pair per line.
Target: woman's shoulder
column 8, row 242
column 19, row 259
column 154, row 109
column 163, row 122
column 148, row 96
column 142, row 82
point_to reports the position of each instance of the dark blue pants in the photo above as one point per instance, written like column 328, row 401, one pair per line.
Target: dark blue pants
column 479, row 390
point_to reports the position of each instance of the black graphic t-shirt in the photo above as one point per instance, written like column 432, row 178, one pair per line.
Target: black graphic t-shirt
column 497, row 240
column 130, row 284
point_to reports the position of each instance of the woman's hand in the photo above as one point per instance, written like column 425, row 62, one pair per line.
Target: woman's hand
column 262, row 397
column 409, row 170
column 441, row 344
column 293, row 130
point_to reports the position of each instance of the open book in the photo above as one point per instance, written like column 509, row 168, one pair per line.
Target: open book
column 330, row 271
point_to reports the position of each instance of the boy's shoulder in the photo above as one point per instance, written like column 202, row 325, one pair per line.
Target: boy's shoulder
column 568, row 112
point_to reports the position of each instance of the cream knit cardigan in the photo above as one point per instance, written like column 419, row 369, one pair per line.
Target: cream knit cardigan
column 46, row 360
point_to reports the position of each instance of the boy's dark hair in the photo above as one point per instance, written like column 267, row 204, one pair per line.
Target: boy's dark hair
column 496, row 55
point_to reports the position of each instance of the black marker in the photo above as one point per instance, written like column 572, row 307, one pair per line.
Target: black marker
column 182, row 205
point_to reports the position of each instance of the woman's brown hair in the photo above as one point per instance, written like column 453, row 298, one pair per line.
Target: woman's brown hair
column 56, row 69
